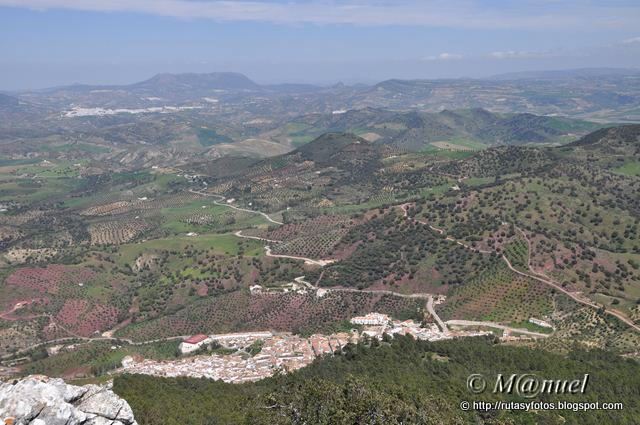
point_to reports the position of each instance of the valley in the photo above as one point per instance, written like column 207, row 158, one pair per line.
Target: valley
column 318, row 212
column 160, row 253
column 452, row 225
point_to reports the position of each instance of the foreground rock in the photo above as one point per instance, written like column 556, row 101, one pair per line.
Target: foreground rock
column 39, row 400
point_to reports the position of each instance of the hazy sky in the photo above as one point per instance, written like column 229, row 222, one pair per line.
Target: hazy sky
column 53, row 42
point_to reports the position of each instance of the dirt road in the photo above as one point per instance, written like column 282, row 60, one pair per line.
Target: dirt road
column 495, row 325
column 226, row 204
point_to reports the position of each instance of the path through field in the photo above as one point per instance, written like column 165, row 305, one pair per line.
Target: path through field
column 226, row 204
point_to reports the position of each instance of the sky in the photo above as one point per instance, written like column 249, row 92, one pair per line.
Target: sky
column 45, row 43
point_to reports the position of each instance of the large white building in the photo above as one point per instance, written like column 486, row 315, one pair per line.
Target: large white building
column 371, row 319
column 540, row 323
column 193, row 343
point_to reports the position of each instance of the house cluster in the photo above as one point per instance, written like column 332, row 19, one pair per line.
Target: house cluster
column 240, row 340
column 375, row 325
column 232, row 340
column 232, row 368
column 283, row 352
column 430, row 332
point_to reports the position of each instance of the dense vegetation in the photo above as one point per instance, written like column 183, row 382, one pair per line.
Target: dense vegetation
column 391, row 250
column 401, row 381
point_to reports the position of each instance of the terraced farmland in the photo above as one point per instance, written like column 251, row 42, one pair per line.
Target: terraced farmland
column 293, row 312
column 117, row 232
column 85, row 319
column 49, row 279
column 517, row 252
column 499, row 295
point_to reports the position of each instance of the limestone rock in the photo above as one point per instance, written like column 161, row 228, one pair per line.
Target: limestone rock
column 39, row 400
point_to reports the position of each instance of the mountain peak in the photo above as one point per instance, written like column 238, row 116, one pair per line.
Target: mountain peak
column 209, row 81
column 325, row 146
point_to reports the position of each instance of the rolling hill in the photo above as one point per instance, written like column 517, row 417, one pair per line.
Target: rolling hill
column 451, row 129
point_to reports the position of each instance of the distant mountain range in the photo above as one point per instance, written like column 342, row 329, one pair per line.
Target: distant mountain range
column 224, row 113
column 602, row 94
column 567, row 74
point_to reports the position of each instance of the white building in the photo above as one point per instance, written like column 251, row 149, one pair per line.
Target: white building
column 239, row 340
column 193, row 343
column 540, row 323
column 371, row 319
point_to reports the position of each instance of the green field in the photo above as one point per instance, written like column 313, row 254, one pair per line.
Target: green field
column 631, row 168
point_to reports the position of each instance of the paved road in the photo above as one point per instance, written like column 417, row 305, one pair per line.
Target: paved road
column 495, row 325
column 574, row 297
column 534, row 275
column 89, row 339
column 433, row 313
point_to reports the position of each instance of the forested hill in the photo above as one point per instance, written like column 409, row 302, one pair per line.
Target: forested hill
column 628, row 135
column 400, row 381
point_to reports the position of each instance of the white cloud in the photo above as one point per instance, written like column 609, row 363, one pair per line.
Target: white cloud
column 633, row 40
column 518, row 54
column 444, row 57
column 531, row 14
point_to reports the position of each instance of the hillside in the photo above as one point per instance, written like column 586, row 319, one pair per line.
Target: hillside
column 500, row 234
column 614, row 148
column 397, row 382
column 612, row 97
column 467, row 129
column 329, row 147
column 610, row 138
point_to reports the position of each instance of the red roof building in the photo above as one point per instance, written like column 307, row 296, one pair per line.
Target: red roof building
column 196, row 339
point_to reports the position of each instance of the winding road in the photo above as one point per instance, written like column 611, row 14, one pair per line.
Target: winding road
column 268, row 252
column 545, row 279
column 404, row 207
column 226, row 204
column 267, row 248
column 574, row 296
column 429, row 305
column 533, row 274
column 441, row 231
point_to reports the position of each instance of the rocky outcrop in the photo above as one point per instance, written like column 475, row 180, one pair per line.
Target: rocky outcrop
column 39, row 400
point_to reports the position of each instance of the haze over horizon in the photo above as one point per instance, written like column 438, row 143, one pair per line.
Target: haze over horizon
column 58, row 42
